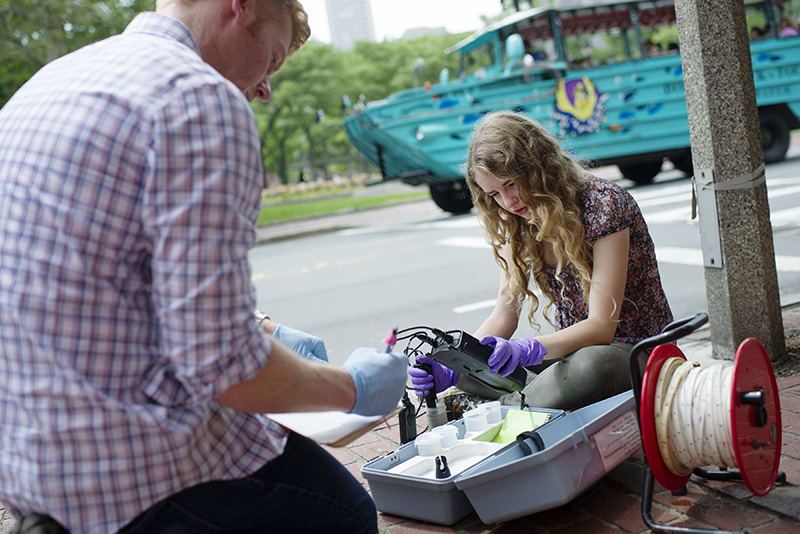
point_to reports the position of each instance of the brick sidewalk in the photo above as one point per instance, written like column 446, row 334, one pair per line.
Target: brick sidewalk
column 616, row 507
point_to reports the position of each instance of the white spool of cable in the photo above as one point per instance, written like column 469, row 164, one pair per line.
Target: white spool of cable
column 692, row 414
column 721, row 415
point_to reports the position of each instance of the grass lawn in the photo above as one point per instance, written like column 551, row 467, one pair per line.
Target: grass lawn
column 283, row 212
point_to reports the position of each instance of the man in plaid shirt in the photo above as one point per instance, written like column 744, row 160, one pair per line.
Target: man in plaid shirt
column 132, row 371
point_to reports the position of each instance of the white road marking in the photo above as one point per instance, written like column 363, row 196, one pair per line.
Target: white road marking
column 463, row 241
column 482, row 305
column 693, row 256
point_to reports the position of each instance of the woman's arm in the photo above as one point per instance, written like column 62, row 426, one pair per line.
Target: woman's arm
column 609, row 275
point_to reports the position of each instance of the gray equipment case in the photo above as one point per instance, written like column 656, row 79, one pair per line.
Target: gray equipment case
column 562, row 459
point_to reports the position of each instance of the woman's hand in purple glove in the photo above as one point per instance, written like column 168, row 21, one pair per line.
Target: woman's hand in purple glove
column 441, row 379
column 508, row 354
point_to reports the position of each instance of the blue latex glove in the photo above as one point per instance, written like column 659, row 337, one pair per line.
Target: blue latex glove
column 441, row 379
column 380, row 380
column 306, row 345
column 507, row 355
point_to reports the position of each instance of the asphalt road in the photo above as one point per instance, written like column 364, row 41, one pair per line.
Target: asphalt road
column 412, row 264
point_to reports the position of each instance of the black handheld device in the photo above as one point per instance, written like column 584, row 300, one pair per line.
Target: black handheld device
column 408, row 421
column 430, row 398
column 462, row 353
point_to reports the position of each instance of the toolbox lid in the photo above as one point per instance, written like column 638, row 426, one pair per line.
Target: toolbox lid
column 561, row 435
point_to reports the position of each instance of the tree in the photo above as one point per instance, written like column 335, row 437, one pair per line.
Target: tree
column 302, row 120
column 302, row 123
column 380, row 69
column 35, row 32
column 308, row 82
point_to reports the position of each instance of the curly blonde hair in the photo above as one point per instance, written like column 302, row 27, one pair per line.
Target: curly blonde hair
column 549, row 182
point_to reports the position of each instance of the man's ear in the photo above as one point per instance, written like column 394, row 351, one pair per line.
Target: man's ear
column 243, row 11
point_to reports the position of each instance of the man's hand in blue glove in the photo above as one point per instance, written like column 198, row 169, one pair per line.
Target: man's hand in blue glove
column 441, row 379
column 379, row 378
column 507, row 355
column 305, row 345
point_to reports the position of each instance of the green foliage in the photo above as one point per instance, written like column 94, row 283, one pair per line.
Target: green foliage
column 791, row 9
column 35, row 32
column 598, row 48
column 665, row 36
column 317, row 77
column 284, row 212
column 380, row 69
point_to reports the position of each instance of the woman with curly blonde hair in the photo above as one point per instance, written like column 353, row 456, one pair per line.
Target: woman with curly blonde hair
column 584, row 243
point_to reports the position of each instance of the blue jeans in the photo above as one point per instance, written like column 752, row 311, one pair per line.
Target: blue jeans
column 303, row 490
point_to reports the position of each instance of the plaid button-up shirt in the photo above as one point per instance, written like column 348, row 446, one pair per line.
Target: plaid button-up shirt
column 130, row 180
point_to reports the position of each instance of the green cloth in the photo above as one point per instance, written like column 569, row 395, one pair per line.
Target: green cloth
column 517, row 422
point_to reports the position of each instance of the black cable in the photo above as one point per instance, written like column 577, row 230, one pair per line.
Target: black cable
column 436, row 331
column 418, row 333
column 444, row 335
column 415, row 328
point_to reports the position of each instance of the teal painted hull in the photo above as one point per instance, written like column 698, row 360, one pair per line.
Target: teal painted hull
column 626, row 113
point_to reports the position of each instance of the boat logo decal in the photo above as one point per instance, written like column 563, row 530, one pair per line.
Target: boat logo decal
column 579, row 108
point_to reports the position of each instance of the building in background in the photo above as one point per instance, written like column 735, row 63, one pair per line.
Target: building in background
column 350, row 21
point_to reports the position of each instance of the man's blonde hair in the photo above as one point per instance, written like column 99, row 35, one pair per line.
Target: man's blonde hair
column 300, row 28
column 293, row 8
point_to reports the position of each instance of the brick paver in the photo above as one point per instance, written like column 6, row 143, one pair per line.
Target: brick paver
column 616, row 507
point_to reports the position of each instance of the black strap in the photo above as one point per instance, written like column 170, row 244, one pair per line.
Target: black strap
column 535, row 437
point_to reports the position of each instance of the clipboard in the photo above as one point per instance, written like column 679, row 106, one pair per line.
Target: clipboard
column 335, row 429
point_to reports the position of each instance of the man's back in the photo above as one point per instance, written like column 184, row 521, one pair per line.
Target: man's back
column 110, row 261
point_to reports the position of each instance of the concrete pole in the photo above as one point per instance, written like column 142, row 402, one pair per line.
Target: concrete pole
column 738, row 253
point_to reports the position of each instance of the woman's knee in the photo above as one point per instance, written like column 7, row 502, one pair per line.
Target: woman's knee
column 586, row 376
column 606, row 369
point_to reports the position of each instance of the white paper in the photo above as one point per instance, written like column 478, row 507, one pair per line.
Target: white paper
column 324, row 427
column 618, row 440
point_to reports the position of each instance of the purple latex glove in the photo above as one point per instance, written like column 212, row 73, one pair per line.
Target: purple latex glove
column 441, row 379
column 507, row 355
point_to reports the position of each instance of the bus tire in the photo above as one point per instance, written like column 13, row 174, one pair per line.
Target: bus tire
column 774, row 135
column 452, row 197
column 641, row 173
column 683, row 162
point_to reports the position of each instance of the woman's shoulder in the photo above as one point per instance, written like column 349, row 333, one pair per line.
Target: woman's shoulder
column 608, row 208
column 605, row 192
column 593, row 182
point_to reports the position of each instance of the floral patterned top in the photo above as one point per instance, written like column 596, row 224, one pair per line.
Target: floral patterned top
column 607, row 209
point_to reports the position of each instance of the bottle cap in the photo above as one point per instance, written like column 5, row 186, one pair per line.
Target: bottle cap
column 428, row 444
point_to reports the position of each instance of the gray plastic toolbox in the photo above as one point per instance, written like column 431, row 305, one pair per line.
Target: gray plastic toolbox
column 437, row 501
column 578, row 449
